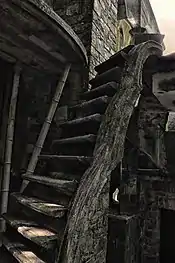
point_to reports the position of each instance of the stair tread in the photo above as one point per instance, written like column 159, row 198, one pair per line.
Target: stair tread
column 76, row 139
column 86, row 160
column 64, row 186
column 100, row 100
column 94, row 117
column 20, row 252
column 71, row 163
column 110, row 75
column 65, row 157
column 43, row 207
column 108, row 89
column 115, row 60
column 64, row 176
column 79, row 126
column 32, row 231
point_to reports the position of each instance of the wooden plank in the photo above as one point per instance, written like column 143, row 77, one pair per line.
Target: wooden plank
column 75, row 140
column 21, row 253
column 81, row 121
column 32, row 231
column 49, row 209
column 94, row 102
column 67, row 187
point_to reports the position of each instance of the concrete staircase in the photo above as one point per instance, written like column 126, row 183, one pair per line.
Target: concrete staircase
column 36, row 218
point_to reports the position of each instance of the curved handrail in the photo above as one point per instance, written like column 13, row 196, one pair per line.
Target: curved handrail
column 86, row 238
column 59, row 25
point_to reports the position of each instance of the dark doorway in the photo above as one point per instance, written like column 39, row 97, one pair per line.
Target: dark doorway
column 167, row 236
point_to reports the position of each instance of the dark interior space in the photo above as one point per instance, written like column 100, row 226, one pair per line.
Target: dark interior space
column 6, row 74
column 167, row 236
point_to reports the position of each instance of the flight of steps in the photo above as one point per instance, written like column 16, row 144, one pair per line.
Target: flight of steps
column 36, row 218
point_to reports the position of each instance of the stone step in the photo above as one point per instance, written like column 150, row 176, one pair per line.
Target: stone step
column 64, row 163
column 63, row 186
column 46, row 193
column 81, row 145
column 81, row 126
column 108, row 89
column 55, row 224
column 110, row 75
column 44, row 238
column 40, row 206
column 64, row 176
column 117, row 59
column 90, row 107
column 20, row 252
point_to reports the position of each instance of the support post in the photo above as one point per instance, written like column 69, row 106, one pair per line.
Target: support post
column 9, row 144
column 46, row 125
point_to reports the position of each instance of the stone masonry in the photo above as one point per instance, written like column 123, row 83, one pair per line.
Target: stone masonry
column 104, row 32
column 95, row 22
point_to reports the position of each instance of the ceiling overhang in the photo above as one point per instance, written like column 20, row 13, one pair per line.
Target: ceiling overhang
column 31, row 32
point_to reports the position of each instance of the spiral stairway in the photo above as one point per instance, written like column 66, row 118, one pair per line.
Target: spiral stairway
column 37, row 217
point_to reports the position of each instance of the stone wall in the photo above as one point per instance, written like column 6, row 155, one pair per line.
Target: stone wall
column 156, row 193
column 78, row 14
column 122, row 239
column 104, row 32
column 95, row 22
column 151, row 125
